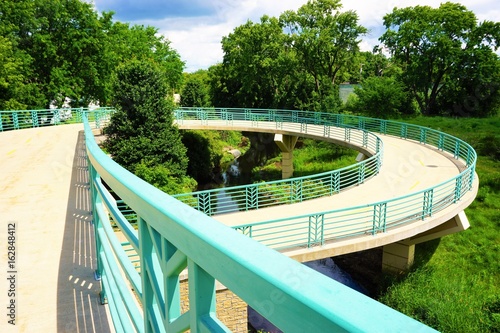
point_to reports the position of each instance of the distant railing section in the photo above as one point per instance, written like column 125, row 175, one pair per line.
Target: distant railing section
column 20, row 119
column 289, row 191
column 172, row 236
column 318, row 228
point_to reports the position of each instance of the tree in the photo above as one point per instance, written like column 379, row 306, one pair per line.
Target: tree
column 381, row 97
column 257, row 66
column 444, row 53
column 195, row 89
column 141, row 133
column 326, row 41
column 64, row 48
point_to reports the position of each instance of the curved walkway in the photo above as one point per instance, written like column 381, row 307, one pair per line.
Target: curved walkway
column 408, row 167
column 44, row 191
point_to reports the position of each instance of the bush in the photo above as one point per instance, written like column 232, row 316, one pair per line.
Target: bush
column 380, row 97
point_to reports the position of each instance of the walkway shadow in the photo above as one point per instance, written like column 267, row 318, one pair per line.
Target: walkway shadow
column 78, row 304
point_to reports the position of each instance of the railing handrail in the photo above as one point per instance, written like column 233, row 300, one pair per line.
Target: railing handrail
column 173, row 236
column 423, row 205
column 366, row 142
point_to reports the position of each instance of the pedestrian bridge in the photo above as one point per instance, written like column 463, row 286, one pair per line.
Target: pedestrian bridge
column 410, row 184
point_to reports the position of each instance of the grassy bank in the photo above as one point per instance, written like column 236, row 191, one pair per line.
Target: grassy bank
column 455, row 283
column 309, row 157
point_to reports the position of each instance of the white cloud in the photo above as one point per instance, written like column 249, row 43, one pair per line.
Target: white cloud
column 197, row 38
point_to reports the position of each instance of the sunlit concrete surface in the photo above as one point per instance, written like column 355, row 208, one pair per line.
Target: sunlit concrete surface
column 44, row 191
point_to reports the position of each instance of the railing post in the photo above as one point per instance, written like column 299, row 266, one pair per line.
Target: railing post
column 272, row 115
column 317, row 118
column 361, row 123
column 427, row 204
column 347, row 134
column 296, row 195
column 365, row 139
column 456, row 153
column 202, row 302
column 379, row 217
column 252, row 197
column 361, row 173
column 441, row 142
column 471, row 178
column 1, row 122
column 15, row 120
column 246, row 230
column 458, row 189
column 383, row 126
column 423, row 135
column 303, row 127
column 96, row 221
column 404, row 131
column 34, row 118
column 469, row 156
column 79, row 115
column 57, row 117
column 335, row 182
column 326, row 131
column 316, row 230
column 204, row 203
column 279, row 122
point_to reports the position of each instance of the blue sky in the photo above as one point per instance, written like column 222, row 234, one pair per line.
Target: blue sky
column 196, row 27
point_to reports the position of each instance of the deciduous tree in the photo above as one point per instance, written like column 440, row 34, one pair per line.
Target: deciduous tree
column 446, row 57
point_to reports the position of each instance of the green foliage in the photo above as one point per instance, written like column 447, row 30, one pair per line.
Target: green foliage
column 296, row 61
column 204, row 153
column 194, row 92
column 161, row 177
column 448, row 59
column 141, row 131
column 455, row 287
column 326, row 41
column 52, row 49
column 380, row 97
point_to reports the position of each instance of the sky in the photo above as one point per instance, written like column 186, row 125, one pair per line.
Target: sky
column 195, row 27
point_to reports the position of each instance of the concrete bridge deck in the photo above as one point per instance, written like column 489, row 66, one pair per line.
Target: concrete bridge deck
column 408, row 167
column 44, row 192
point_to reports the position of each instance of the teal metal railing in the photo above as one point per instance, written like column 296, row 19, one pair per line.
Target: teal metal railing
column 289, row 191
column 172, row 237
column 20, row 119
column 320, row 227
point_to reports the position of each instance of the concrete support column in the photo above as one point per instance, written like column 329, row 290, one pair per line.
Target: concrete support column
column 286, row 144
column 398, row 257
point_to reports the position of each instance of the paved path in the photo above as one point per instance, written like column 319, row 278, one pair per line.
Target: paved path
column 44, row 192
column 408, row 167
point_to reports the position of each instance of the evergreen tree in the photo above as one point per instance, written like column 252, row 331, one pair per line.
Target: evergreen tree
column 141, row 133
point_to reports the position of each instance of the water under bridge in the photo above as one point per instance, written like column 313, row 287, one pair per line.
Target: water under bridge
column 410, row 184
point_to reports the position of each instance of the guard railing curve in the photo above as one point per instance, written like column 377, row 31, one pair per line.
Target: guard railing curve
column 172, row 236
column 287, row 191
column 320, row 227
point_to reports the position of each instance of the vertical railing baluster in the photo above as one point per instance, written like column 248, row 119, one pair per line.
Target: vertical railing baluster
column 427, row 203
column 15, row 120
column 458, row 189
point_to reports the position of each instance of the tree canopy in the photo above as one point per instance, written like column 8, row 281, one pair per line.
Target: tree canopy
column 294, row 61
column 447, row 58
column 52, row 49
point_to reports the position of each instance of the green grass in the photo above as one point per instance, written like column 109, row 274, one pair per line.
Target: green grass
column 310, row 157
column 455, row 283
